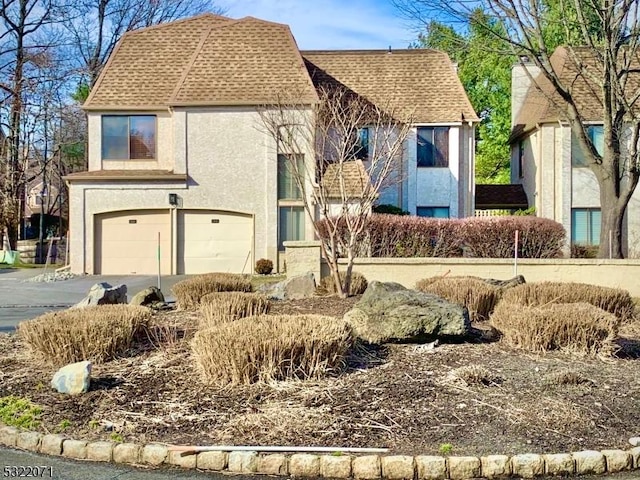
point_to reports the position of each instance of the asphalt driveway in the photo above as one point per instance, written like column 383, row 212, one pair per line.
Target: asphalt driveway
column 21, row 299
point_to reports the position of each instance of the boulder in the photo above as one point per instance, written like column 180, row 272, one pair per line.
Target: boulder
column 300, row 286
column 389, row 312
column 103, row 294
column 148, row 297
column 73, row 378
column 512, row 282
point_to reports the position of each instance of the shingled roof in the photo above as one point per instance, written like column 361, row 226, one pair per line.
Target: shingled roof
column 204, row 60
column 490, row 197
column 543, row 104
column 353, row 174
column 420, row 83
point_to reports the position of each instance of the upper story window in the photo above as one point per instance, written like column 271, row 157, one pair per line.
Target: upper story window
column 596, row 135
column 362, row 146
column 521, row 159
column 290, row 168
column 433, row 147
column 128, row 137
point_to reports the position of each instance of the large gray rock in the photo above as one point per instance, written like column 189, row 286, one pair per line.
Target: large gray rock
column 388, row 312
column 294, row 288
column 73, row 379
column 103, row 294
column 148, row 296
column 512, row 282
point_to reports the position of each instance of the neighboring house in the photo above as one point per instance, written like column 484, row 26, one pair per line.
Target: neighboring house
column 547, row 160
column 181, row 175
column 500, row 199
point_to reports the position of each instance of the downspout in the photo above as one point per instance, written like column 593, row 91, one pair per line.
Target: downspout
column 471, row 204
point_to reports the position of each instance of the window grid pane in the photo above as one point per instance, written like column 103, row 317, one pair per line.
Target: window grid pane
column 291, row 225
column 128, row 137
column 115, row 137
column 287, row 185
column 585, row 226
column 425, row 147
column 142, row 137
column 433, row 212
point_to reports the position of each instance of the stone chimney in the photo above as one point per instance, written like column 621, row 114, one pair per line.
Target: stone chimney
column 520, row 83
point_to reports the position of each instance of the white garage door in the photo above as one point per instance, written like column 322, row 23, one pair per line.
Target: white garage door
column 213, row 241
column 127, row 242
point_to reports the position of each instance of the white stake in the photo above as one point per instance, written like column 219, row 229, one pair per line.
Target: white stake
column 257, row 448
column 515, row 255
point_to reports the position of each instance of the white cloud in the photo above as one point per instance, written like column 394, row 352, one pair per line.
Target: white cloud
column 330, row 24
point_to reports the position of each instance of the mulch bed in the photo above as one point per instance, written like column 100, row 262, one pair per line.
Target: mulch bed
column 482, row 398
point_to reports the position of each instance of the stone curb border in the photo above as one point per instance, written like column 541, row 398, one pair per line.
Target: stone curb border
column 367, row 467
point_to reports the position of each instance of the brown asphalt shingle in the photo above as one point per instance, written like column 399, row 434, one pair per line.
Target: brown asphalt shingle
column 420, row 83
column 501, row 196
column 352, row 173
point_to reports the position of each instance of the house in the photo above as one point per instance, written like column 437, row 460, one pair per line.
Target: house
column 180, row 175
column 547, row 160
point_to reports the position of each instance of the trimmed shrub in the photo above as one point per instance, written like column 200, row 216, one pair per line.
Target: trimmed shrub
column 99, row 334
column 479, row 297
column 266, row 348
column 189, row 292
column 227, row 306
column 493, row 237
column 358, row 284
column 576, row 328
column 489, row 237
column 264, row 266
column 389, row 209
column 584, row 251
column 612, row 300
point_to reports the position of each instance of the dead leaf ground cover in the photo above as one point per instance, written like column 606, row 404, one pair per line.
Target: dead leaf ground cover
column 479, row 397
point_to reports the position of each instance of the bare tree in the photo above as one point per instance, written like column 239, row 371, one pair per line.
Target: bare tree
column 601, row 42
column 96, row 26
column 341, row 175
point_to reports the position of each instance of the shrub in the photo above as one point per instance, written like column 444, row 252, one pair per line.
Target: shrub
column 100, row 333
column 612, row 300
column 226, row 306
column 493, row 237
column 479, row 297
column 189, row 292
column 471, row 375
column 584, row 251
column 266, row 348
column 577, row 327
column 389, row 209
column 358, row 284
column 19, row 412
column 264, row 266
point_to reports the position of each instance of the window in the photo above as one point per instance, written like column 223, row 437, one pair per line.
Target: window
column 433, row 212
column 585, row 226
column 128, row 137
column 287, row 186
column 362, row 147
column 433, row 146
column 521, row 159
column 596, row 135
column 290, row 224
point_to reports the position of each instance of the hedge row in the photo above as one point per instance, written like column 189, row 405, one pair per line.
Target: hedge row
column 493, row 237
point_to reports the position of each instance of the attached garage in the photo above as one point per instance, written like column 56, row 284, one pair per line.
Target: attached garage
column 126, row 242
column 214, row 241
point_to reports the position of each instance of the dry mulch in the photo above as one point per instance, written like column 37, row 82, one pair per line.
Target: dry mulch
column 479, row 397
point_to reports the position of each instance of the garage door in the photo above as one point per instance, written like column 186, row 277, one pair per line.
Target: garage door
column 213, row 241
column 127, row 242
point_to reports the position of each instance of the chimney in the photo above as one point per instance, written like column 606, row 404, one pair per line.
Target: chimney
column 520, row 83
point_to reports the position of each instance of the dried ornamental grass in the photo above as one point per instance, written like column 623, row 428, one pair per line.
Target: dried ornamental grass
column 479, row 297
column 471, row 375
column 226, row 306
column 189, row 292
column 266, row 348
column 99, row 334
column 572, row 327
column 358, row 284
column 612, row 300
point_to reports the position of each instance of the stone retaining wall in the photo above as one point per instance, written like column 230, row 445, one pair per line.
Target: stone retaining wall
column 366, row 467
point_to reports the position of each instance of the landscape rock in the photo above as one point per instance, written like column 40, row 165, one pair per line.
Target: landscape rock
column 390, row 312
column 332, row 466
column 431, row 467
column 559, row 464
column 243, row 462
column 8, row 436
column 461, row 468
column 154, row 454
column 103, row 294
column 495, row 466
column 512, row 282
column 527, row 465
column 183, row 459
column 51, row 444
column 148, row 297
column 275, row 464
column 216, row 461
column 73, row 379
column 29, row 440
column 634, row 441
column 304, row 465
column 126, row 453
column 589, row 462
column 100, row 451
column 75, row 449
column 397, row 467
column 366, row 467
column 617, row 460
column 294, row 288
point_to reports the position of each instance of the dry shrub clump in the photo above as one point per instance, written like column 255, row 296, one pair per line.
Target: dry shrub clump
column 189, row 292
column 575, row 327
column 479, row 297
column 227, row 306
column 566, row 377
column 266, row 348
column 99, row 333
column 471, row 375
column 612, row 300
column 358, row 284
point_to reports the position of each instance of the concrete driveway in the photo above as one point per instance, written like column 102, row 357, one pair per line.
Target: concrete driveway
column 21, row 299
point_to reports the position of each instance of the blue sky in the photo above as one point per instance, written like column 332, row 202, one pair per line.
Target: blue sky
column 331, row 24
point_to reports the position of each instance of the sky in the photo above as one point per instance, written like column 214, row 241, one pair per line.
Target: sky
column 331, row 24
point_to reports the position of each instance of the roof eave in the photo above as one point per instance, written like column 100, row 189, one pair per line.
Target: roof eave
column 175, row 177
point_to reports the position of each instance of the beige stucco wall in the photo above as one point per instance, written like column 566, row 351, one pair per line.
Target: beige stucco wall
column 407, row 271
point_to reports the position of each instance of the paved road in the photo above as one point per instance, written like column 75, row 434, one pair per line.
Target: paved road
column 22, row 300
column 64, row 469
